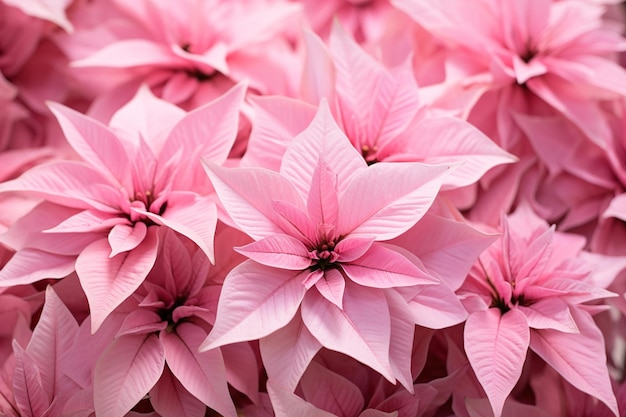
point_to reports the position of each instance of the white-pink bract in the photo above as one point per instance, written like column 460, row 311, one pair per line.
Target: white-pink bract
column 527, row 290
column 141, row 172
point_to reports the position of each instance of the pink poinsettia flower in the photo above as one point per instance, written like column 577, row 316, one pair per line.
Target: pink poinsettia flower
column 155, row 349
column 188, row 55
column 526, row 291
column 40, row 384
column 318, row 273
column 100, row 215
column 541, row 67
column 378, row 109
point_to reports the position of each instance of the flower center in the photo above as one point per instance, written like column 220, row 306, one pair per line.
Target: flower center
column 325, row 256
column 370, row 154
column 167, row 314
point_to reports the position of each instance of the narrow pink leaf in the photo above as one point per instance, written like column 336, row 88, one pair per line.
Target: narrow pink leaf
column 436, row 307
column 126, row 371
column 278, row 251
column 288, row 351
column 401, row 339
column 277, row 120
column 248, row 195
column 124, row 238
column 88, row 221
column 579, row 358
column 95, row 143
column 170, row 398
column 331, row 392
column 496, row 346
column 361, row 330
column 30, row 396
column 318, row 75
column 31, row 265
column 202, row 373
column 239, row 360
column 288, row 404
column 256, row 300
column 141, row 321
column 332, row 286
column 107, row 282
column 550, row 313
column 383, row 267
column 209, row 130
column 193, row 216
column 68, row 183
column 127, row 54
column 322, row 138
column 322, row 201
column 386, row 199
column 52, row 340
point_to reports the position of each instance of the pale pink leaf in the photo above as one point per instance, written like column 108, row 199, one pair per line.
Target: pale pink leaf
column 383, row 267
column 436, row 307
column 322, row 138
column 30, row 265
column 248, row 195
column 256, row 300
column 278, row 251
column 579, row 358
column 386, row 199
column 496, row 346
column 239, row 360
column 330, row 391
column 170, row 398
column 107, row 282
column 129, row 53
column 332, row 286
column 287, row 352
column 361, row 330
column 88, row 221
column 288, row 404
column 201, row 373
column 126, row 371
column 550, row 313
column 52, row 339
column 318, row 75
column 29, row 393
column 277, row 120
column 95, row 143
column 322, row 201
column 401, row 342
column 124, row 238
column 141, row 321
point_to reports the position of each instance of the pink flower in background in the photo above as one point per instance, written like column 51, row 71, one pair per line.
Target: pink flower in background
column 141, row 172
column 526, row 291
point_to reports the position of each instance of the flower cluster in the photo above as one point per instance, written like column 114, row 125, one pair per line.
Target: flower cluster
column 329, row 208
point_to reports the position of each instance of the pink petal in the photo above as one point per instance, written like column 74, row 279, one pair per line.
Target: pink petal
column 126, row 371
column 579, row 358
column 107, row 282
column 451, row 249
column 322, row 201
column 386, row 199
column 192, row 216
column 202, row 374
column 51, row 343
column 278, row 251
column 496, row 346
column 277, row 120
column 288, row 351
column 68, row 183
column 318, row 75
column 332, row 287
column 124, row 238
column 248, row 195
column 295, row 222
column 288, row 404
column 321, row 138
column 31, row 265
column 401, row 344
column 331, row 392
column 352, row 248
column 141, row 321
column 550, row 313
column 239, row 359
column 53, row 11
column 129, row 53
column 456, row 141
column 30, row 396
column 170, row 398
column 95, row 143
column 436, row 306
column 88, row 221
column 383, row 267
column 255, row 301
column 361, row 330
